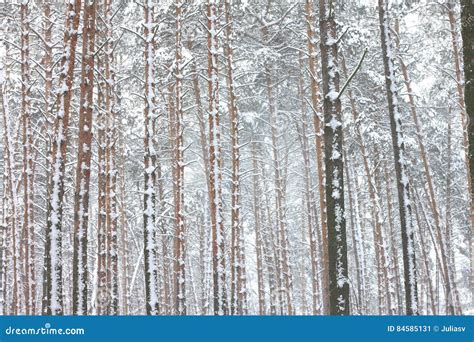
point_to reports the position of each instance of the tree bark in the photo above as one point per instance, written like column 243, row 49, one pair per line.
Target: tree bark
column 81, row 197
column 406, row 223
column 319, row 131
column 149, row 198
column 467, row 31
column 337, row 244
column 179, row 247
column 27, row 248
column 215, row 161
column 52, row 275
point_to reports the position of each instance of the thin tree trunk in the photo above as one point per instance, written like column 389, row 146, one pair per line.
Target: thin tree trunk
column 258, row 231
column 102, row 293
column 237, row 275
column 12, row 192
column 429, row 181
column 424, row 247
column 411, row 295
column 355, row 247
column 318, row 129
column 448, row 225
column 179, row 247
column 394, row 249
column 310, row 199
column 215, row 160
column 380, row 253
column 27, row 248
column 149, row 198
column 124, row 242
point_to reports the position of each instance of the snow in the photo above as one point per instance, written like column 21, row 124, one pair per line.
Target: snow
column 334, row 124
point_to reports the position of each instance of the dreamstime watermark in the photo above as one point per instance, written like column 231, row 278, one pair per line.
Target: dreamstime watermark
column 46, row 330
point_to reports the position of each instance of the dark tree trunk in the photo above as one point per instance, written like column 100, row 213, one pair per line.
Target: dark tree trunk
column 337, row 244
column 409, row 264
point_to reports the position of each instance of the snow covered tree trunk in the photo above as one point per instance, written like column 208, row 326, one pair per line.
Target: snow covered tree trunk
column 149, row 198
column 283, row 273
column 215, row 161
column 449, row 220
column 461, row 99
column 310, row 199
column 4, row 245
column 111, row 107
column 392, row 238
column 337, row 244
column 359, row 232
column 236, row 266
column 202, row 123
column 380, row 253
column 269, row 241
column 357, row 303
column 48, row 56
column 258, row 231
column 52, row 276
column 425, row 261
column 27, row 248
column 441, row 237
column 382, row 241
column 179, row 238
column 316, row 109
column 284, row 277
column 83, row 164
column 8, row 155
column 102, row 293
column 467, row 31
column 403, row 187
column 124, row 236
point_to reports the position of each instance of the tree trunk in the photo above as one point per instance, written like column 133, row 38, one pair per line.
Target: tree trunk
column 149, row 198
column 179, row 247
column 411, row 295
column 81, row 198
column 467, row 31
column 380, row 253
column 441, row 239
column 258, row 231
column 52, row 276
column 318, row 129
column 27, row 248
column 337, row 244
column 215, row 160
column 309, row 199
column 11, row 235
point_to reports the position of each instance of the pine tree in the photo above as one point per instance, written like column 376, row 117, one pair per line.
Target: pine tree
column 337, row 244
column 83, row 165
column 52, row 275
column 215, row 161
column 178, row 172
column 467, row 31
column 403, row 186
column 318, row 128
column 27, row 248
column 149, row 198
